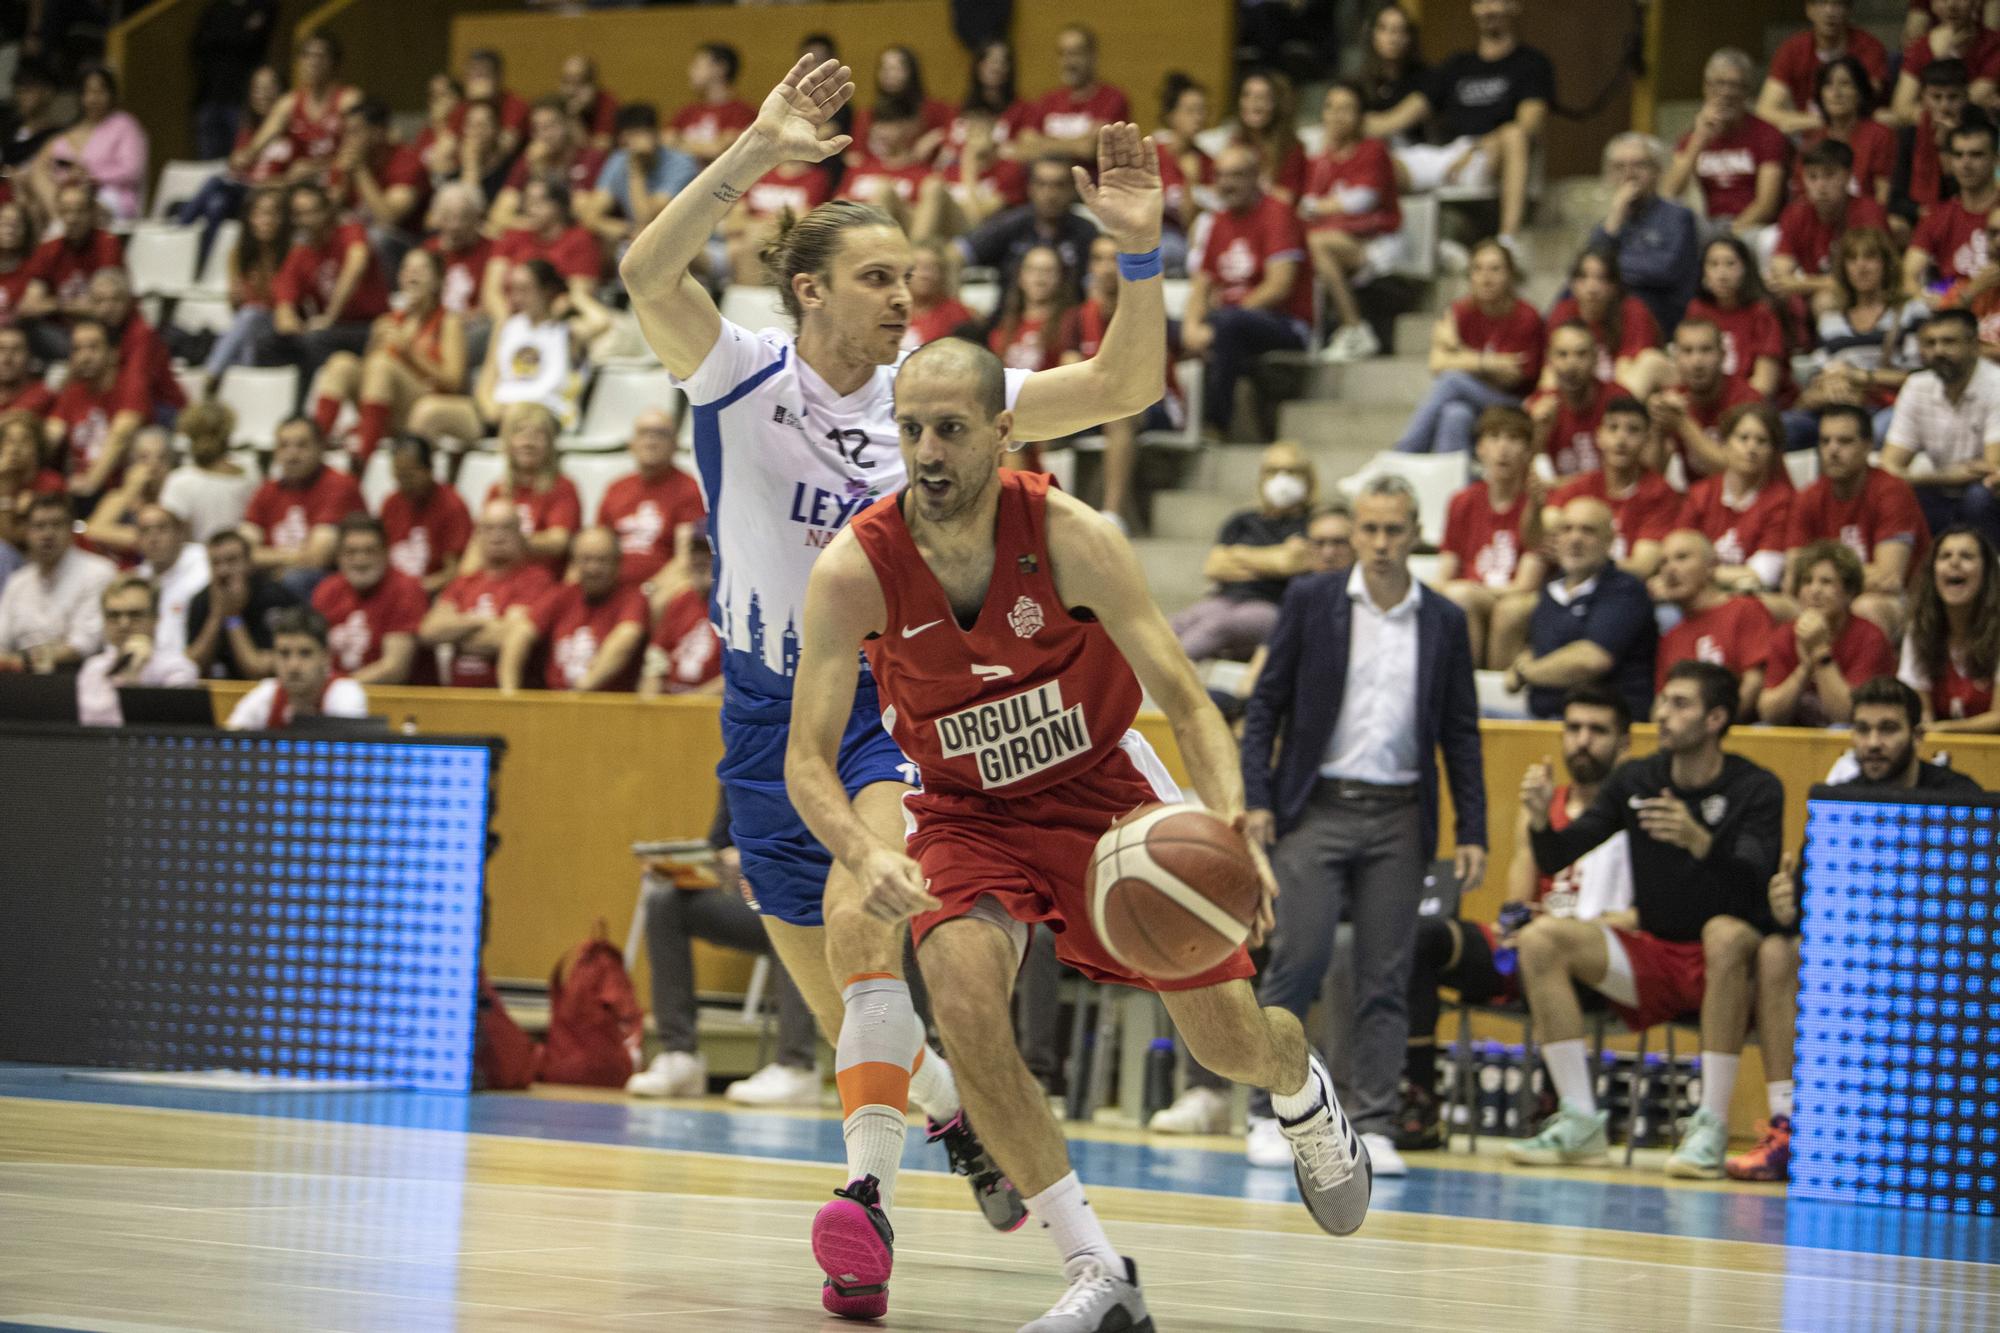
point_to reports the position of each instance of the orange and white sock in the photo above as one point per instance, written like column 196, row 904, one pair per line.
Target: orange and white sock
column 880, row 1038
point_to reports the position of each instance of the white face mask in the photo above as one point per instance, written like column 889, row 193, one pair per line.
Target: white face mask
column 1283, row 490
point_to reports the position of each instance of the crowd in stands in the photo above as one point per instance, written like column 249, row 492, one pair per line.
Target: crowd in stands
column 1758, row 429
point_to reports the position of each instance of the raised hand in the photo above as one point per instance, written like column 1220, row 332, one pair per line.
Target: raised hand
column 1126, row 197
column 1784, row 892
column 794, row 111
column 1538, row 791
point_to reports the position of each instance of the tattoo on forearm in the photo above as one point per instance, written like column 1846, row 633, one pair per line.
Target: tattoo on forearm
column 727, row 193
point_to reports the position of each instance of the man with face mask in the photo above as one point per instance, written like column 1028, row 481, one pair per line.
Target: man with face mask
column 1950, row 412
column 1888, row 728
column 1254, row 556
column 1474, row 958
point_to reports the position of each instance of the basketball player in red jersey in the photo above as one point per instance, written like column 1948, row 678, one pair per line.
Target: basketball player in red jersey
column 1009, row 630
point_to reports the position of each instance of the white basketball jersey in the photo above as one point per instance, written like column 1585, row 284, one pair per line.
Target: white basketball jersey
column 535, row 365
column 785, row 462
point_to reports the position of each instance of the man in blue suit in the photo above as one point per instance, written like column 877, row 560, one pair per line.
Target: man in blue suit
column 1369, row 675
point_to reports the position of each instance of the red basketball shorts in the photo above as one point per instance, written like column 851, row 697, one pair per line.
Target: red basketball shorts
column 1031, row 855
column 1668, row 977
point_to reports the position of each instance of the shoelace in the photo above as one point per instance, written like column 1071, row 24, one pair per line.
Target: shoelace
column 1091, row 1282
column 1323, row 1155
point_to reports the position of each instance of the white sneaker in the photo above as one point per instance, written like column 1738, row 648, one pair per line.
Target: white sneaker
column 1382, row 1153
column 1360, row 341
column 1335, row 352
column 776, row 1085
column 1266, row 1145
column 1196, row 1111
column 672, row 1074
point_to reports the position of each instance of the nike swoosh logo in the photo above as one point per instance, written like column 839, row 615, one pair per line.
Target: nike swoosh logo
column 912, row 631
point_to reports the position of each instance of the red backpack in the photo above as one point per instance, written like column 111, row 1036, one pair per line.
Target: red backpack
column 595, row 1024
column 503, row 1056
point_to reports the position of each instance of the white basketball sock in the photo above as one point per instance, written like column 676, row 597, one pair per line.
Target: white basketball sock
column 874, row 1136
column 1569, row 1070
column 1718, row 1081
column 1072, row 1224
column 933, row 1088
column 1779, row 1093
column 1293, row 1107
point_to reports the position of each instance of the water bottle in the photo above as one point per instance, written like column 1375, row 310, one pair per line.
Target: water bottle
column 1159, row 1087
column 1513, row 916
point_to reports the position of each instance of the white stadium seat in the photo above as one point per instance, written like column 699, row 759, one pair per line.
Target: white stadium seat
column 213, row 280
column 981, row 298
column 593, row 475
column 180, row 181
column 617, row 396
column 755, row 308
column 377, row 480
column 1803, row 464
column 203, row 314
column 261, row 397
column 1435, row 477
column 476, row 475
column 161, row 257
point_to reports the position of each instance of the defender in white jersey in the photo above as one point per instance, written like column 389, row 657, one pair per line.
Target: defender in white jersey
column 794, row 435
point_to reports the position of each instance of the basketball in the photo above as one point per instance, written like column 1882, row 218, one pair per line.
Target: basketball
column 1173, row 891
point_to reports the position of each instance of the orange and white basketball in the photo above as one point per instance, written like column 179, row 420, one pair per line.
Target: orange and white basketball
column 1173, row 891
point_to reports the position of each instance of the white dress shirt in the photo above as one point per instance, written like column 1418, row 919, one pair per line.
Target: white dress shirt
column 61, row 607
column 1927, row 422
column 97, row 697
column 177, row 587
column 1375, row 737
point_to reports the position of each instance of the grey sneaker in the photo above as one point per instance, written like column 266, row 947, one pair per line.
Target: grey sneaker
column 1098, row 1301
column 1570, row 1137
column 1336, row 1178
column 1704, row 1145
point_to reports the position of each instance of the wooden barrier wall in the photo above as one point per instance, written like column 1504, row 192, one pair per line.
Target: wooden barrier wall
column 644, row 53
column 586, row 776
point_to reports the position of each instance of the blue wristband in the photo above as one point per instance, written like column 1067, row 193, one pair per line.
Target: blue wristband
column 1132, row 268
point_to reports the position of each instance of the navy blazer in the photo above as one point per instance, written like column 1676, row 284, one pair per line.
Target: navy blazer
column 1299, row 694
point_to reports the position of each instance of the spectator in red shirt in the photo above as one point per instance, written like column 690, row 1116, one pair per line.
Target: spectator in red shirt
column 1745, row 510
column 380, row 183
column 1846, row 99
column 1685, row 413
column 470, row 615
column 889, row 170
column 465, row 254
column 20, row 391
column 329, row 289
column 22, row 476
column 684, row 654
column 1352, row 218
column 1814, row 222
column 556, row 151
column 484, row 81
column 980, row 182
column 646, row 510
column 1957, row 34
column 1486, row 351
column 1490, row 562
column 1788, row 96
column 935, row 310
column 710, row 123
column 594, row 628
column 1185, row 170
column 1626, row 335
column 545, row 502
column 1081, row 335
column 1952, row 654
column 145, row 367
column 899, row 77
column 59, row 270
column 1249, row 291
column 1949, row 243
column 793, row 186
column 1865, row 509
column 17, row 247
column 308, row 118
column 414, row 349
column 1715, row 626
column 372, row 610
column 254, row 261
column 292, row 518
column 476, row 157
column 1025, row 332
column 426, row 524
column 1818, row 660
column 1732, row 298
column 549, row 232
column 1266, row 117
column 1643, row 507
column 1736, row 159
column 1567, row 410
column 1065, row 121
column 594, row 109
column 95, row 416
column 1921, row 178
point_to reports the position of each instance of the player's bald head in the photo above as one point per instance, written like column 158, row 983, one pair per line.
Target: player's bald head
column 955, row 362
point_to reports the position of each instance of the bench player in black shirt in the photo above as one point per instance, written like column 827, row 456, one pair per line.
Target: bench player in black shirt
column 1704, row 829
column 1888, row 727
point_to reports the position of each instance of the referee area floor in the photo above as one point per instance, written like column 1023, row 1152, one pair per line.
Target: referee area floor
column 129, row 1207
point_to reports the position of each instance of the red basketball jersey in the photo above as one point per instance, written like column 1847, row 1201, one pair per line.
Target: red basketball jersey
column 1026, row 698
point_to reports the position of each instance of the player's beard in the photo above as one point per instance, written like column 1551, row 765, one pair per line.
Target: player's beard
column 1895, row 768
column 960, row 498
column 1584, row 768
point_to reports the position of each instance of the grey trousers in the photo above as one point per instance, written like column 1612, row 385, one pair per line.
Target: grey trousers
column 1362, row 851
column 1222, row 627
column 675, row 918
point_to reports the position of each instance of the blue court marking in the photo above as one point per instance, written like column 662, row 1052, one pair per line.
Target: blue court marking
column 1500, row 1195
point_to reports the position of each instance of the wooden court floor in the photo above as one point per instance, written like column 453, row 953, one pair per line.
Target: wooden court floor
column 118, row 1218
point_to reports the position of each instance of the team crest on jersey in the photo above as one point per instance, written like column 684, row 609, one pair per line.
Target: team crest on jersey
column 1026, row 617
column 1713, row 808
